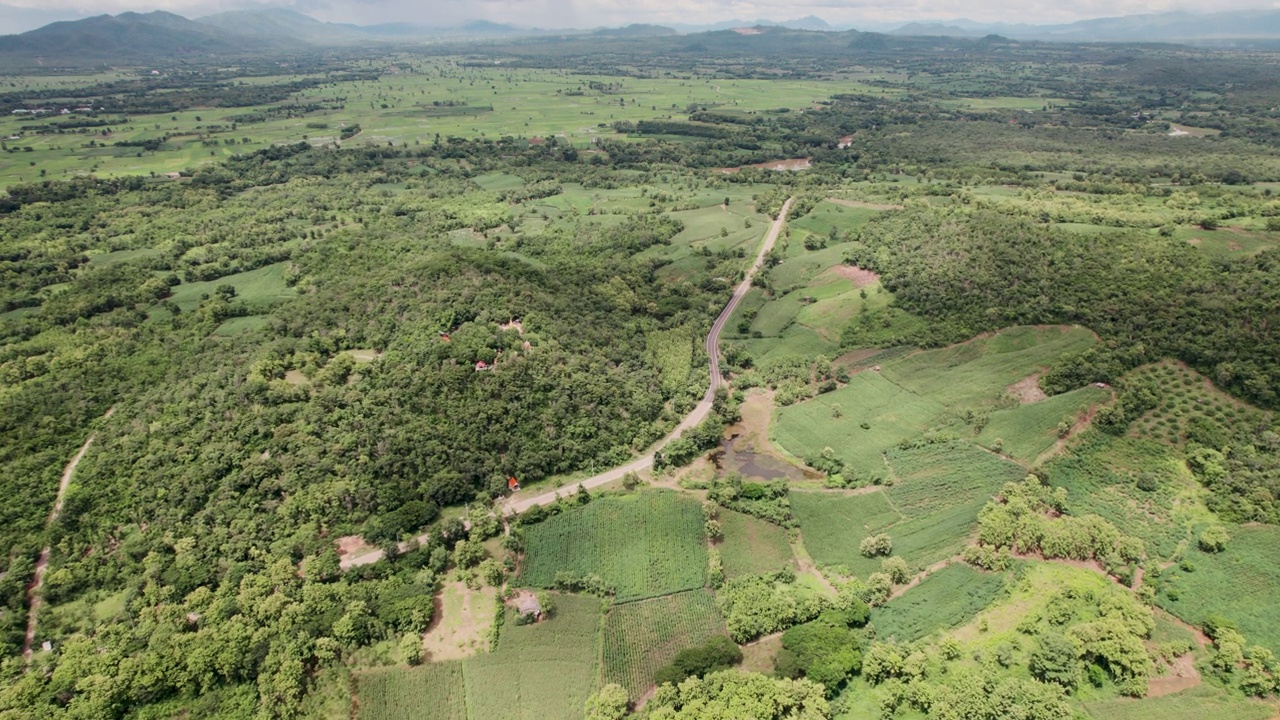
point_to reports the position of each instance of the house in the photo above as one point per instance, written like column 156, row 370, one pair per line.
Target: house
column 528, row 606
column 513, row 484
column 481, row 365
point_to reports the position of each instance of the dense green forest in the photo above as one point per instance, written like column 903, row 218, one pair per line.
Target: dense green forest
column 354, row 339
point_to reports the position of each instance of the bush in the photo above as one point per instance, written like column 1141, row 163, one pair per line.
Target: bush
column 1214, row 539
column 876, row 545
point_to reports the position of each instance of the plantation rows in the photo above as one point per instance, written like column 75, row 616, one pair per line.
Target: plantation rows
column 641, row 637
column 429, row 692
column 641, row 546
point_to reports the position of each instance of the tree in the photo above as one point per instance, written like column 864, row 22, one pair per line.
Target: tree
column 717, row 653
column 610, row 703
column 1214, row 539
column 876, row 545
column 738, row 694
column 897, row 570
column 1056, row 659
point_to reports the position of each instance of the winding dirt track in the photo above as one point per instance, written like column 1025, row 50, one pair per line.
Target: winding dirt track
column 33, row 591
column 697, row 415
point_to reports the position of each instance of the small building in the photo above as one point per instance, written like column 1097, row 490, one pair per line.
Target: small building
column 513, row 484
column 528, row 606
column 481, row 365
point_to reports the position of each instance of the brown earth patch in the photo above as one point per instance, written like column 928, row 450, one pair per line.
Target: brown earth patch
column 791, row 164
column 351, row 545
column 865, row 205
column 295, row 377
column 460, row 625
column 1027, row 390
column 1183, row 675
column 860, row 278
column 758, row 655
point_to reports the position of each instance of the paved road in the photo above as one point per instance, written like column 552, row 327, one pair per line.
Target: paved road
column 697, row 415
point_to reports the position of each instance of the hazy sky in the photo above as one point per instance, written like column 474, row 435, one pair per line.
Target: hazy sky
column 18, row 15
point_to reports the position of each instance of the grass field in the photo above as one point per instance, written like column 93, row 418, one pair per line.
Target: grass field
column 1248, row 567
column 434, row 691
column 641, row 637
column 642, row 545
column 929, row 512
column 544, row 670
column 893, row 414
column 1028, row 430
column 945, row 599
column 257, row 288
column 752, row 546
column 1203, row 702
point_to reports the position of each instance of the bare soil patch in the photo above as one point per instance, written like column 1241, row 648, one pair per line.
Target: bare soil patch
column 461, row 624
column 865, row 205
column 758, row 655
column 792, row 164
column 1183, row 675
column 860, row 278
column 1027, row 390
column 295, row 377
column 352, row 545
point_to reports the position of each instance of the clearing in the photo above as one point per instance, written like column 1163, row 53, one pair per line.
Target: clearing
column 461, row 624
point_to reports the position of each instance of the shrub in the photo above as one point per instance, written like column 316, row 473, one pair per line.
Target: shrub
column 1214, row 539
column 876, row 545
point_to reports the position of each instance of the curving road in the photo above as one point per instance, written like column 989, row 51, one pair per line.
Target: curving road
column 697, row 415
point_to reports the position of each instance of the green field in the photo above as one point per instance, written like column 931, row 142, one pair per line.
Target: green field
column 1028, row 430
column 257, row 288
column 544, row 670
column 929, row 512
column 894, row 414
column 1203, row 702
column 752, row 546
column 434, row 691
column 642, row 545
column 642, row 637
column 1248, row 567
column 945, row 599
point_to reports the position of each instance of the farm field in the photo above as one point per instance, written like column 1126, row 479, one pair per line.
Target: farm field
column 946, row 599
column 1203, row 702
column 434, row 691
column 1248, row 567
column 929, row 512
column 643, row 545
column 542, row 670
column 752, row 546
column 641, row 637
column 1028, row 430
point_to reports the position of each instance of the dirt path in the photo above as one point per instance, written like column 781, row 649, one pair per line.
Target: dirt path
column 920, row 576
column 33, row 591
column 697, row 415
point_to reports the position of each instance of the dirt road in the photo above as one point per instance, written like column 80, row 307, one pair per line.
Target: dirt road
column 33, row 592
column 697, row 415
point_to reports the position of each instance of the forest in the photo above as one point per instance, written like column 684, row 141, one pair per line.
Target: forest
column 999, row 436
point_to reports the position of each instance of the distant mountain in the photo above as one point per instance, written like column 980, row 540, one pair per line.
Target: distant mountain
column 274, row 23
column 127, row 37
column 21, row 19
column 1156, row 27
column 636, row 30
column 808, row 22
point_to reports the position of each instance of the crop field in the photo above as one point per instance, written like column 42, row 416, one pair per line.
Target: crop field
column 543, row 670
column 642, row 637
column 1247, row 566
column 642, row 545
column 929, row 512
column 1202, row 702
column 1101, row 473
column 1028, row 430
column 434, row 691
column 945, row 599
column 976, row 373
column 892, row 414
column 258, row 288
column 752, row 546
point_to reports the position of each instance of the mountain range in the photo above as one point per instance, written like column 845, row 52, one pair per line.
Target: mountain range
column 144, row 37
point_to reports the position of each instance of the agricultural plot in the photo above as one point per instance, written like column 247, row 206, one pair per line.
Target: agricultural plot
column 1026, row 431
column 891, row 413
column 1185, row 396
column 434, row 691
column 976, row 373
column 1102, row 474
column 1202, row 702
column 752, row 546
column 642, row 637
column 641, row 545
column 543, row 670
column 1248, row 567
column 258, row 288
column 929, row 512
column 945, row 599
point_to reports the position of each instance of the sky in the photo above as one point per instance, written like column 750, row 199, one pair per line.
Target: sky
column 21, row 15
